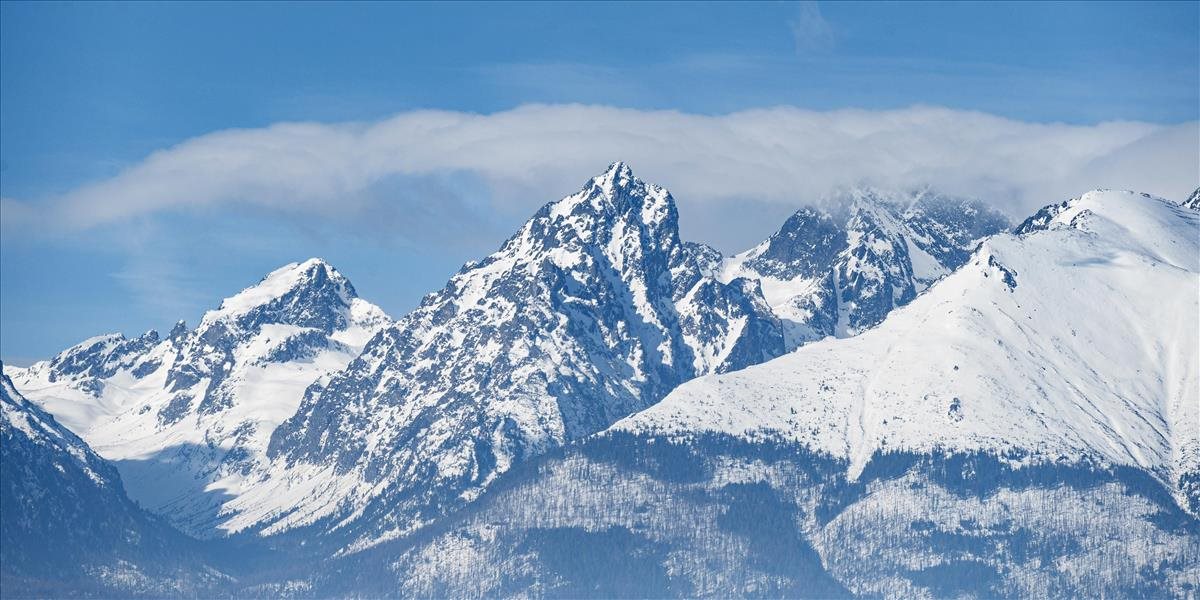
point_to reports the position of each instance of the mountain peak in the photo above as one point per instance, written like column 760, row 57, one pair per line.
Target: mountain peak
column 617, row 182
column 807, row 243
column 610, row 197
column 293, row 283
column 593, row 310
column 618, row 174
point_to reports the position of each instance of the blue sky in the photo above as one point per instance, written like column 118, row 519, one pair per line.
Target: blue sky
column 90, row 92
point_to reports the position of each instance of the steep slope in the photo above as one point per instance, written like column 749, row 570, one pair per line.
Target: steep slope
column 66, row 526
column 841, row 271
column 593, row 310
column 1071, row 340
column 187, row 419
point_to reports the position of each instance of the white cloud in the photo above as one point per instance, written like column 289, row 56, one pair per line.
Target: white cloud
column 529, row 155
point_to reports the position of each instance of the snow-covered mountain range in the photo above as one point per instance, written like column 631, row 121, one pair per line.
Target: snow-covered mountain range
column 1012, row 355
column 599, row 383
column 1025, row 428
column 188, row 418
column 594, row 310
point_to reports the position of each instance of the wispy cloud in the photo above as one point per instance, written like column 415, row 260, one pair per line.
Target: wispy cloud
column 810, row 31
column 523, row 157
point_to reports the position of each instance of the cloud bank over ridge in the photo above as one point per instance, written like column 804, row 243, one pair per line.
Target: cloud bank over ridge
column 536, row 153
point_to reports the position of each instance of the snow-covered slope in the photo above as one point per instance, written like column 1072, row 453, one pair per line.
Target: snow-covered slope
column 1073, row 340
column 187, row 419
column 67, row 526
column 593, row 310
column 841, row 271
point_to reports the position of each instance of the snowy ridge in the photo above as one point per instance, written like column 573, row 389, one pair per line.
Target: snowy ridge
column 274, row 286
column 187, row 419
column 593, row 310
column 1071, row 341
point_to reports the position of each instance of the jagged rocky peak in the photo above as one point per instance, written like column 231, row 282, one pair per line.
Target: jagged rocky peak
column 615, row 218
column 948, row 227
column 612, row 204
column 944, row 227
column 179, row 330
column 804, row 246
column 306, row 294
column 592, row 310
column 1193, row 201
column 301, row 309
column 624, row 191
column 838, row 268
